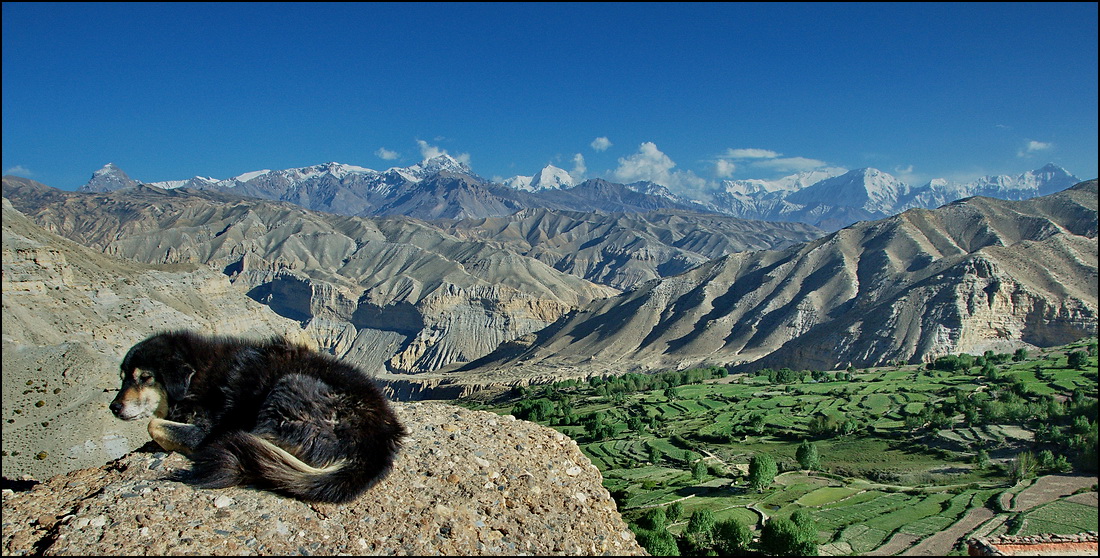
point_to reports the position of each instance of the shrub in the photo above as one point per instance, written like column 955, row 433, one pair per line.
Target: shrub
column 784, row 537
column 653, row 519
column 731, row 537
column 807, row 456
column 658, row 543
column 762, row 471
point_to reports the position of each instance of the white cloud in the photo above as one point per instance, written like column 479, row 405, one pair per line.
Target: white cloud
column 724, row 168
column 907, row 175
column 579, row 169
column 764, row 159
column 790, row 164
column 601, row 143
column 750, row 153
column 651, row 165
column 428, row 151
column 19, row 169
column 386, row 154
column 1034, row 147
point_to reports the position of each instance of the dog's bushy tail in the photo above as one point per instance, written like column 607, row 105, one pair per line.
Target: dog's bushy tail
column 243, row 458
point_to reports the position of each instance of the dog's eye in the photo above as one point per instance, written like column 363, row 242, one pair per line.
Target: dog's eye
column 145, row 378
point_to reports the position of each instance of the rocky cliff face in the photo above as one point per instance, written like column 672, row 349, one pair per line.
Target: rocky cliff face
column 466, row 483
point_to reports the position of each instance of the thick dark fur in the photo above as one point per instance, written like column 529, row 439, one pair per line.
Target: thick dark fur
column 271, row 413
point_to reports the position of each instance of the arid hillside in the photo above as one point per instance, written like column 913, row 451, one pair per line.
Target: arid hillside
column 398, row 295
column 974, row 275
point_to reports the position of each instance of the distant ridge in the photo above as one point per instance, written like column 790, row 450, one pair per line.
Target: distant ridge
column 445, row 188
column 437, row 188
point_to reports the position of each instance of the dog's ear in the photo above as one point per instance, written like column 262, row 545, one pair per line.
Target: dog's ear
column 176, row 379
column 164, row 354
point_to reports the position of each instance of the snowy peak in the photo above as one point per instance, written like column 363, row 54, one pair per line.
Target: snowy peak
column 549, row 178
column 1039, row 182
column 108, row 169
column 552, row 178
column 1052, row 178
column 653, row 189
column 867, row 188
column 439, row 163
column 333, row 169
column 518, row 182
column 108, row 179
column 781, row 186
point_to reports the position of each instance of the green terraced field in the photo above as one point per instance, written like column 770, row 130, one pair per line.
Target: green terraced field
column 1059, row 517
column 894, row 474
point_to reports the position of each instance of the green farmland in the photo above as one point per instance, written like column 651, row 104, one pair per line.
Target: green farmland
column 909, row 458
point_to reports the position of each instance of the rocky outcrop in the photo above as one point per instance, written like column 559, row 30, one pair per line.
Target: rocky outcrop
column 465, row 483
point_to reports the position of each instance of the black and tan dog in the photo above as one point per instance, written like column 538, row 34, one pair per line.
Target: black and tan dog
column 272, row 413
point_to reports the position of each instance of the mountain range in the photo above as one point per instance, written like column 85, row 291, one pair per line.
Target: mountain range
column 439, row 309
column 975, row 275
column 547, row 292
column 398, row 294
column 445, row 188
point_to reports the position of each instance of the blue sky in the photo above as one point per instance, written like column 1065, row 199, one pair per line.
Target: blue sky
column 686, row 94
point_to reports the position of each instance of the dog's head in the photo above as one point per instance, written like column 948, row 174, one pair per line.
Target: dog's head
column 155, row 374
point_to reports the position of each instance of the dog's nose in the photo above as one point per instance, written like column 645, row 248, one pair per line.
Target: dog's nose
column 116, row 407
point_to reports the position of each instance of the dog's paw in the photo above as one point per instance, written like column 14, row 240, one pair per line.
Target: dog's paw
column 175, row 436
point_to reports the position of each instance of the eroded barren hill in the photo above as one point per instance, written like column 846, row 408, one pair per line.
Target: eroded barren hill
column 974, row 275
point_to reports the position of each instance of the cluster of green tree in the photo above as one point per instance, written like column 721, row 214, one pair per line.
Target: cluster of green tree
column 1027, row 465
column 703, row 536
column 553, row 403
column 964, row 361
column 625, row 384
column 822, row 426
column 787, row 376
column 1073, row 433
column 1066, row 429
column 597, row 426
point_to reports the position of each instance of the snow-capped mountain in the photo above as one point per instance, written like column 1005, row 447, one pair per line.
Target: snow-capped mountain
column 107, row 179
column 1039, row 182
column 443, row 187
column 755, row 187
column 846, row 197
column 868, row 189
column 549, row 178
column 438, row 188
